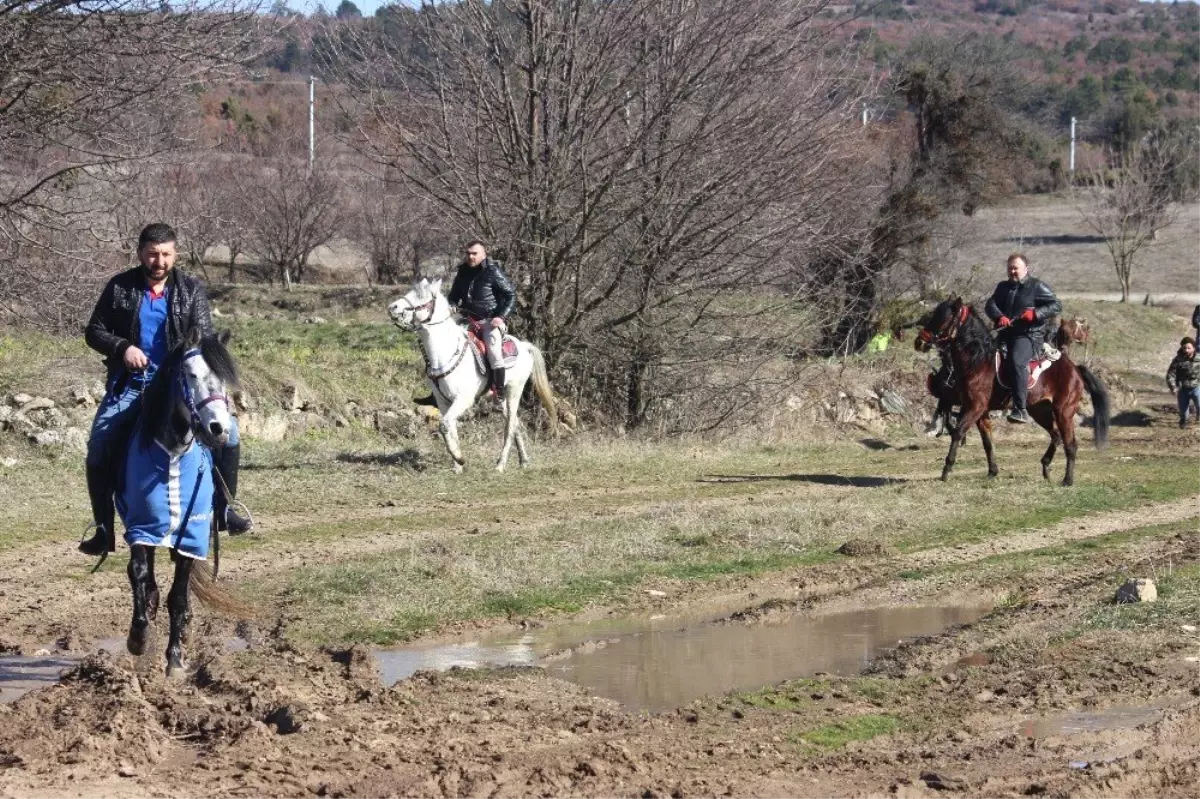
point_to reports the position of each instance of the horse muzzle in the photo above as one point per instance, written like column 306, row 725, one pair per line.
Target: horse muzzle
column 924, row 341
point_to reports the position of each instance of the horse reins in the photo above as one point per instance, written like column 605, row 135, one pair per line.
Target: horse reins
column 952, row 327
column 428, row 322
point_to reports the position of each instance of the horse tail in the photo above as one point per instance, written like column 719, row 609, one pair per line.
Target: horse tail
column 541, row 384
column 1100, row 403
column 203, row 584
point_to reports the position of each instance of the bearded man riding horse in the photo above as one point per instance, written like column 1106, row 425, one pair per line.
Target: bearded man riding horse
column 1020, row 308
column 142, row 314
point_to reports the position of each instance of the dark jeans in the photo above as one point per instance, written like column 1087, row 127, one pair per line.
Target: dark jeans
column 1020, row 352
column 1187, row 397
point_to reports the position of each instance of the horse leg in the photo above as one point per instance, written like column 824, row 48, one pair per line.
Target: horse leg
column 152, row 597
column 177, row 607
column 448, row 427
column 138, row 571
column 985, row 435
column 511, row 423
column 1065, row 420
column 957, row 433
column 1043, row 414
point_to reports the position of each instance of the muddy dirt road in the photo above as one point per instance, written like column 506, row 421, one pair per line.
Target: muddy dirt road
column 825, row 619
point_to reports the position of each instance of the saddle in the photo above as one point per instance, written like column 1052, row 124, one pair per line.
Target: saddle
column 508, row 348
column 1036, row 367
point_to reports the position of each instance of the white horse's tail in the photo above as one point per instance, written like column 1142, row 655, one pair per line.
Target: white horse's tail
column 541, row 384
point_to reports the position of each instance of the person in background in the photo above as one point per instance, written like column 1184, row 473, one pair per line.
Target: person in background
column 1183, row 378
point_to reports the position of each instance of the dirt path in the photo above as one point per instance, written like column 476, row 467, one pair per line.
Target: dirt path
column 981, row 710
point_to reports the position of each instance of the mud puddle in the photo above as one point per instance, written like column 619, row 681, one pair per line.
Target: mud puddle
column 658, row 663
column 1113, row 718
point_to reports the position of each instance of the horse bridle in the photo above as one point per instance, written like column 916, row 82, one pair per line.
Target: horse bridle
column 186, row 390
column 950, row 330
column 416, row 309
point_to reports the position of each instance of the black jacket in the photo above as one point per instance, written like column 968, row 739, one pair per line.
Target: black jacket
column 484, row 291
column 115, row 326
column 1011, row 299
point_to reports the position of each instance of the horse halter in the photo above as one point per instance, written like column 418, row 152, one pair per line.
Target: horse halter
column 186, row 391
column 429, row 306
column 948, row 331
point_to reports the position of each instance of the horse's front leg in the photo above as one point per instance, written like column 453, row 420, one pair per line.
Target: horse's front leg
column 449, row 428
column 139, row 573
column 957, row 434
column 177, row 607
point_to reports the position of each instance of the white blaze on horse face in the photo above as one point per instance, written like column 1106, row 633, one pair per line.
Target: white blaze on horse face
column 208, row 397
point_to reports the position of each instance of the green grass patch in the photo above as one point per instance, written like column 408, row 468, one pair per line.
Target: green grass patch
column 829, row 737
column 1178, row 603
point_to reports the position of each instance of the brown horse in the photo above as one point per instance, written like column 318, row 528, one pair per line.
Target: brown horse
column 1053, row 400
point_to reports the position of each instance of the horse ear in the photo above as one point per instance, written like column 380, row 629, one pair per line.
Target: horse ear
column 436, row 286
column 224, row 337
column 192, row 338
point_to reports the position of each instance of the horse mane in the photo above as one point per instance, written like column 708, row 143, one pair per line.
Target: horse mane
column 164, row 417
column 160, row 404
column 975, row 340
column 217, row 356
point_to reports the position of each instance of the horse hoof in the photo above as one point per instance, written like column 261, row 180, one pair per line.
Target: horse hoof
column 175, row 670
column 993, row 475
column 136, row 641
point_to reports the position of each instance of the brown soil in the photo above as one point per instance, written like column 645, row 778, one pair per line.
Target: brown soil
column 275, row 720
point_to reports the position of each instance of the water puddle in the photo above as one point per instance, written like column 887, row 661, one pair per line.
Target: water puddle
column 661, row 663
column 1113, row 718
column 20, row 674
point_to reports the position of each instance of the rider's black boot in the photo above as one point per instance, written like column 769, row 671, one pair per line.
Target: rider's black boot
column 498, row 380
column 100, row 491
column 227, row 461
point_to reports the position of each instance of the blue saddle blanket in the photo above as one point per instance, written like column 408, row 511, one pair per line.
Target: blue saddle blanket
column 166, row 500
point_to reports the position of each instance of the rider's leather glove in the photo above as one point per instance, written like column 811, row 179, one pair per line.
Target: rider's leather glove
column 1028, row 315
column 1003, row 321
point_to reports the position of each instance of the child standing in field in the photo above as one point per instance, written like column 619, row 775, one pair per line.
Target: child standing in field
column 1183, row 376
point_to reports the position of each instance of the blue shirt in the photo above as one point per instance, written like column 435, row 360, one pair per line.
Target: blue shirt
column 152, row 333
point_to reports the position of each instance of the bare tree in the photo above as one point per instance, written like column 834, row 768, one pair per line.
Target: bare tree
column 293, row 211
column 635, row 164
column 1128, row 204
column 398, row 230
column 89, row 86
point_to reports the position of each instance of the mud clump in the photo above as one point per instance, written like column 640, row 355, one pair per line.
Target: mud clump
column 861, row 547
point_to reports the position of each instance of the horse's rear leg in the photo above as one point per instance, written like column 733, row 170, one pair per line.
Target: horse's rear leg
column 177, row 607
column 512, row 425
column 139, row 572
column 1043, row 414
column 985, row 435
column 1065, row 420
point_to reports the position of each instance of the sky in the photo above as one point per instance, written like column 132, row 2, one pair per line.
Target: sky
column 367, row 7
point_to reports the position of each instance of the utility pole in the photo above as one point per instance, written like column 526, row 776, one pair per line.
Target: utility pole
column 1072, row 159
column 312, row 123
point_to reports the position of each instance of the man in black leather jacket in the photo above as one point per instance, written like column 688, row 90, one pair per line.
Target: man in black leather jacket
column 1021, row 307
column 484, row 293
column 143, row 313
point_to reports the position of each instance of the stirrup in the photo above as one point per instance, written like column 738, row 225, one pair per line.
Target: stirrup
column 85, row 537
column 243, row 511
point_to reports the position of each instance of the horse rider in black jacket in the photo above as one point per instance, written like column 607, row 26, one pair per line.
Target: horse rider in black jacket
column 484, row 293
column 142, row 314
column 1021, row 308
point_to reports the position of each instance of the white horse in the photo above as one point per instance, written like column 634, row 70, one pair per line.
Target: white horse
column 456, row 378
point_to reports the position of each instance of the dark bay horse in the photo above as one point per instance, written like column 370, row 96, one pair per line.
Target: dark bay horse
column 961, row 331
column 166, row 491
